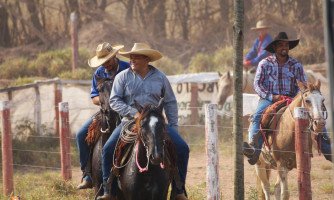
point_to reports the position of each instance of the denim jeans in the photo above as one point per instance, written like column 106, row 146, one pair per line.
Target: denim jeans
column 254, row 127
column 256, row 120
column 182, row 150
column 82, row 144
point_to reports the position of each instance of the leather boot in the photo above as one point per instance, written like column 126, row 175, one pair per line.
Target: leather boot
column 106, row 192
column 85, row 183
column 181, row 197
column 251, row 150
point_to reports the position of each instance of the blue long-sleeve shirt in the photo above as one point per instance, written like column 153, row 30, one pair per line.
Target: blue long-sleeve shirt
column 129, row 86
column 257, row 52
column 103, row 73
column 271, row 79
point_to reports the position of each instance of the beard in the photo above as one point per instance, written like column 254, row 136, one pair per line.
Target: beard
column 283, row 53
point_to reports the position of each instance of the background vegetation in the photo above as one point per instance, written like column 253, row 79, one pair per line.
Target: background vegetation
column 194, row 36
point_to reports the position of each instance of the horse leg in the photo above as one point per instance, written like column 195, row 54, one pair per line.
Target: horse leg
column 283, row 176
column 261, row 172
column 278, row 188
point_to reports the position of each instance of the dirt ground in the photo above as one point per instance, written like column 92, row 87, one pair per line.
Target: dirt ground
column 321, row 176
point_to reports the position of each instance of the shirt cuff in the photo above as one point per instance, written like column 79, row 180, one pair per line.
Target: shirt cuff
column 133, row 112
column 269, row 97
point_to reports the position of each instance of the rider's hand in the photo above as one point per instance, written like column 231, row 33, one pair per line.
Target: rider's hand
column 136, row 115
column 247, row 64
column 276, row 98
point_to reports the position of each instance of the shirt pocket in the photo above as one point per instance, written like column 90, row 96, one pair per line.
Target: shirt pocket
column 287, row 74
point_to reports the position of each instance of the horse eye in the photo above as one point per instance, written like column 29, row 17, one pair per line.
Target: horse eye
column 308, row 101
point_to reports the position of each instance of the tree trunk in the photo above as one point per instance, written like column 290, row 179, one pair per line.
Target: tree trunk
column 183, row 14
column 159, row 20
column 32, row 8
column 224, row 6
column 5, row 40
column 303, row 10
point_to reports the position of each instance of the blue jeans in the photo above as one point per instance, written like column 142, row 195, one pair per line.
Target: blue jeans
column 254, row 127
column 82, row 144
column 256, row 120
column 182, row 151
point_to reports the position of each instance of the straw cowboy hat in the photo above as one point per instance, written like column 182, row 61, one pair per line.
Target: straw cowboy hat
column 282, row 36
column 262, row 24
column 143, row 49
column 104, row 52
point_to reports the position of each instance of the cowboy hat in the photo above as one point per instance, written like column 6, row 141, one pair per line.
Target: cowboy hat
column 282, row 36
column 143, row 49
column 262, row 24
column 104, row 52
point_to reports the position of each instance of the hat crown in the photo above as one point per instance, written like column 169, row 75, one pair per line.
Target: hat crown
column 261, row 24
column 281, row 36
column 103, row 49
column 140, row 46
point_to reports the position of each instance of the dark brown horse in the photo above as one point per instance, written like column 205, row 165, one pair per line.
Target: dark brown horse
column 148, row 172
column 100, row 130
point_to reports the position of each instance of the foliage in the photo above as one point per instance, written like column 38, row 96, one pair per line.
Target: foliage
column 169, row 66
column 15, row 68
column 79, row 74
column 201, row 63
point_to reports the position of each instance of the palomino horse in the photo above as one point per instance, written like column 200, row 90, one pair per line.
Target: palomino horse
column 146, row 174
column 282, row 155
column 100, row 130
column 225, row 85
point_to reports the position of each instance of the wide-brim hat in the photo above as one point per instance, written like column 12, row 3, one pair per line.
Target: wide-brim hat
column 262, row 24
column 282, row 36
column 104, row 52
column 143, row 49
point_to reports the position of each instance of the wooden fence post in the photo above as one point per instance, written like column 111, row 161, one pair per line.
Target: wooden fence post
column 37, row 111
column 194, row 116
column 211, row 135
column 65, row 141
column 303, row 153
column 7, row 150
column 74, row 39
column 58, row 99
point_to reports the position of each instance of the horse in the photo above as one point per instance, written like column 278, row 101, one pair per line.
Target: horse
column 281, row 154
column 100, row 130
column 225, row 85
column 148, row 171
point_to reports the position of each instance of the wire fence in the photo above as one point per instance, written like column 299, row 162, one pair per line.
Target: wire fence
column 80, row 108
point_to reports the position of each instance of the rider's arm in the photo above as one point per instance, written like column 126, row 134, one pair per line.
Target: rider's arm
column 261, row 53
column 117, row 96
column 170, row 104
column 259, row 81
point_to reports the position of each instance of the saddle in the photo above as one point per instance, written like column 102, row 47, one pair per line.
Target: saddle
column 272, row 115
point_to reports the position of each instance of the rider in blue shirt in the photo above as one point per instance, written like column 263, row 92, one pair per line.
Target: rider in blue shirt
column 257, row 51
column 108, row 66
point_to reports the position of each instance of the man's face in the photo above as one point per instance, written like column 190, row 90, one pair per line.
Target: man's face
column 110, row 64
column 282, row 48
column 138, row 61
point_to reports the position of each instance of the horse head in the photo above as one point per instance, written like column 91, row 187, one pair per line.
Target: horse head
column 104, row 86
column 313, row 101
column 225, row 87
column 152, row 130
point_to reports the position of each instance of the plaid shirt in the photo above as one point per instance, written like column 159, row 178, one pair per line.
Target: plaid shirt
column 271, row 79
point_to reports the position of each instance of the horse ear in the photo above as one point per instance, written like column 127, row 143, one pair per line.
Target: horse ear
column 318, row 84
column 160, row 105
column 138, row 106
column 228, row 74
column 302, row 87
column 220, row 74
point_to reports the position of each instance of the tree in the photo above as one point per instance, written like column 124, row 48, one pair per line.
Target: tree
column 5, row 39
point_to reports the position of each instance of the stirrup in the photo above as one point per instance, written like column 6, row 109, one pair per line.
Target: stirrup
column 253, row 160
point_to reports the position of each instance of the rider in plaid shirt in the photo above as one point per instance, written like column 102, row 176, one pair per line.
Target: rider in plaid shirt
column 276, row 76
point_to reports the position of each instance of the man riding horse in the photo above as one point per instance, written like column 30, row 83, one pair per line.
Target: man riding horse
column 276, row 78
column 108, row 66
column 144, row 84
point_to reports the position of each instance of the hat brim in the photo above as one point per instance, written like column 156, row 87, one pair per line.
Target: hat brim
column 292, row 44
column 152, row 54
column 259, row 28
column 96, row 62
